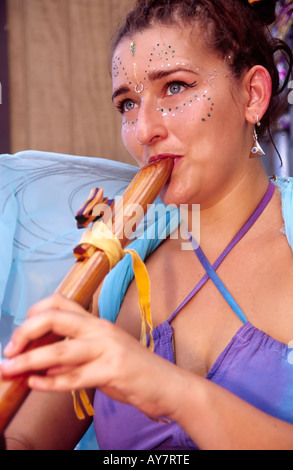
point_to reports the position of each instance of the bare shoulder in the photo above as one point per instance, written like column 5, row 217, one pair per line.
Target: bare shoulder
column 267, row 272
column 172, row 272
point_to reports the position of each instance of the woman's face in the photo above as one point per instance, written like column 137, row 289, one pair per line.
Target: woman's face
column 176, row 99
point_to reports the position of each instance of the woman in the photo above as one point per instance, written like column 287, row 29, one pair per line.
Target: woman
column 195, row 81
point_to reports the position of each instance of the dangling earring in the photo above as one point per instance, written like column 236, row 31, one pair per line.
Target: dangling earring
column 256, row 150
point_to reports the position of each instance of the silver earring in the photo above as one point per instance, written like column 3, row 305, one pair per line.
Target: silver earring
column 256, row 150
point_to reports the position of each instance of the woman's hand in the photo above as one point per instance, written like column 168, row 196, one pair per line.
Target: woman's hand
column 95, row 354
column 98, row 354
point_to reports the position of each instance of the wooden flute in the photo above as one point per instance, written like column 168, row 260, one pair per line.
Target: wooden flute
column 86, row 275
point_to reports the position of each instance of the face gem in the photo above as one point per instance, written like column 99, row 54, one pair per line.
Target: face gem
column 132, row 48
column 160, row 54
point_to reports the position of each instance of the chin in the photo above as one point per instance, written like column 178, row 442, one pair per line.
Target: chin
column 170, row 197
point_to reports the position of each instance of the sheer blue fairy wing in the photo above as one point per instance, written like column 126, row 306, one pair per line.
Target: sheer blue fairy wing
column 40, row 194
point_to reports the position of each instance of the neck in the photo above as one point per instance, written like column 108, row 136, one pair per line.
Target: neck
column 220, row 221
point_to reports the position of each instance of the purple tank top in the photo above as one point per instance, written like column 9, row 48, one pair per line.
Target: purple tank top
column 253, row 366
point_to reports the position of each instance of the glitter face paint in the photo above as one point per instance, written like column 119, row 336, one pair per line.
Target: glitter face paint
column 162, row 57
column 188, row 110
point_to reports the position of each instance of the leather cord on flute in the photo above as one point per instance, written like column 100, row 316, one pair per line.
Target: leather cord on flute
column 87, row 273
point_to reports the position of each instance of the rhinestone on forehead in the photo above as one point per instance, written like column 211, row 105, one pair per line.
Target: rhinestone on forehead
column 132, row 48
column 163, row 52
column 119, row 69
column 166, row 55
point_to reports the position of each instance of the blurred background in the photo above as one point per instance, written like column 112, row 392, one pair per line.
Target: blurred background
column 56, row 85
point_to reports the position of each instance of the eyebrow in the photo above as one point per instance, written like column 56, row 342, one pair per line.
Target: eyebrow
column 153, row 76
column 120, row 91
column 159, row 74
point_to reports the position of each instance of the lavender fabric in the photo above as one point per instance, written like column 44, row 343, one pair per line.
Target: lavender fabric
column 253, row 366
column 122, row 427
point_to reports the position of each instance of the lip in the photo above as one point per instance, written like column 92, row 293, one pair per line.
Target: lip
column 176, row 158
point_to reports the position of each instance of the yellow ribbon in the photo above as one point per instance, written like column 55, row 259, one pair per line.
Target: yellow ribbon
column 102, row 238
column 86, row 403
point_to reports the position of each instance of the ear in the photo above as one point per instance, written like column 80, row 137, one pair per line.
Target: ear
column 258, row 84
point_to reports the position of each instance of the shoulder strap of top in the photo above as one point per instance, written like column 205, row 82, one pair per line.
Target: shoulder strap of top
column 219, row 284
column 110, row 300
column 211, row 270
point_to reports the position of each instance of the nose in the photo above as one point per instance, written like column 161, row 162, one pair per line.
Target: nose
column 151, row 124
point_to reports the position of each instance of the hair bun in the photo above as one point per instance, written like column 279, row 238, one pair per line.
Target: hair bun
column 265, row 10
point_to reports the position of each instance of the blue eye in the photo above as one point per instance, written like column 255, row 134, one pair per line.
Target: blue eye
column 128, row 105
column 125, row 106
column 175, row 88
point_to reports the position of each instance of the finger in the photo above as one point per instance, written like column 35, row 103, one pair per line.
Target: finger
column 58, row 370
column 77, row 378
column 55, row 302
column 93, row 375
column 63, row 324
column 60, row 354
column 88, row 344
column 57, row 383
column 104, row 368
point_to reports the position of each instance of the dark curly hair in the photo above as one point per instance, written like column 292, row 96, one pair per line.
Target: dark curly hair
column 236, row 30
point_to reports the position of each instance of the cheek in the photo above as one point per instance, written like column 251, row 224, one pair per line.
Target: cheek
column 128, row 134
column 198, row 107
column 196, row 110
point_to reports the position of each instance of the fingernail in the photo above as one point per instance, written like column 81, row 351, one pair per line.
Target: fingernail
column 9, row 348
column 7, row 365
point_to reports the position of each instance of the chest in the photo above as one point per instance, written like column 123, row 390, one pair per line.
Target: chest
column 259, row 278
